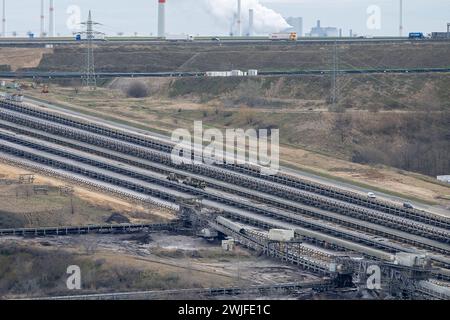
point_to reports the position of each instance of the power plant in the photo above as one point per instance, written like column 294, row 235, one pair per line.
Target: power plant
column 161, row 18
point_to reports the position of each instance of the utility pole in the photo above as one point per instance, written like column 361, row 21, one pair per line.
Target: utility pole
column 90, row 79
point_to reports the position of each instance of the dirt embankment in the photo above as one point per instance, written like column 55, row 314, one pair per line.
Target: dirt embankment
column 200, row 57
column 22, row 58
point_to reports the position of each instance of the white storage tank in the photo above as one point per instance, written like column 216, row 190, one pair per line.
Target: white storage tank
column 179, row 37
column 218, row 73
column 236, row 73
column 281, row 235
column 252, row 73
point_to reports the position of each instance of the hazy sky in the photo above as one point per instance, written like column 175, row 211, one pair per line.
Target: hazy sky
column 208, row 17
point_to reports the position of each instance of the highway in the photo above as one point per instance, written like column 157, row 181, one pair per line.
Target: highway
column 202, row 40
column 194, row 74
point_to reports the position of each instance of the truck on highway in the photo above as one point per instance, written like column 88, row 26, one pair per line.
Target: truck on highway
column 416, row 35
column 82, row 37
column 180, row 38
column 286, row 36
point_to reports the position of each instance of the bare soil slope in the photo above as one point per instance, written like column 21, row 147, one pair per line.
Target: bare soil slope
column 20, row 58
column 271, row 56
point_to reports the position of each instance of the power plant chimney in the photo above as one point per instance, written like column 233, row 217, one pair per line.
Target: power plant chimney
column 42, row 19
column 161, row 18
column 401, row 19
column 239, row 19
column 251, row 17
column 51, row 20
column 4, row 20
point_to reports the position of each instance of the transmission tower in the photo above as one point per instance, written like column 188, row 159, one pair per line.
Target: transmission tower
column 90, row 79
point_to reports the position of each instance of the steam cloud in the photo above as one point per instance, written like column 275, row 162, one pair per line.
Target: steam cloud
column 265, row 20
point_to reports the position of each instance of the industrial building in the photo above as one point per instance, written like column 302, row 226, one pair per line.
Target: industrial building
column 297, row 25
column 321, row 32
column 442, row 35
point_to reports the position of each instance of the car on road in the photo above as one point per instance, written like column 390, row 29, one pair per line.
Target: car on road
column 408, row 205
column 371, row 195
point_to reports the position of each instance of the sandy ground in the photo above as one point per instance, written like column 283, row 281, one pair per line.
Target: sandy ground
column 19, row 58
column 136, row 213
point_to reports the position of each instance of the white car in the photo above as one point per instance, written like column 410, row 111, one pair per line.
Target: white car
column 371, row 195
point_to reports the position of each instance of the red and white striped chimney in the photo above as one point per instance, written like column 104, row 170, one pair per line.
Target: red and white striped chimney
column 161, row 18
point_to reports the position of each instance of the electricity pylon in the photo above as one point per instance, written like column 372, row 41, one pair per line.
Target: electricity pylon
column 90, row 79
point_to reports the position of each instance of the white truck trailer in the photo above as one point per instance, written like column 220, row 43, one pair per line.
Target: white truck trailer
column 287, row 36
column 180, row 37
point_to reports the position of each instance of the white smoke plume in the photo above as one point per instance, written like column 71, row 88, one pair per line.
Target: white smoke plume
column 265, row 20
column 224, row 13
